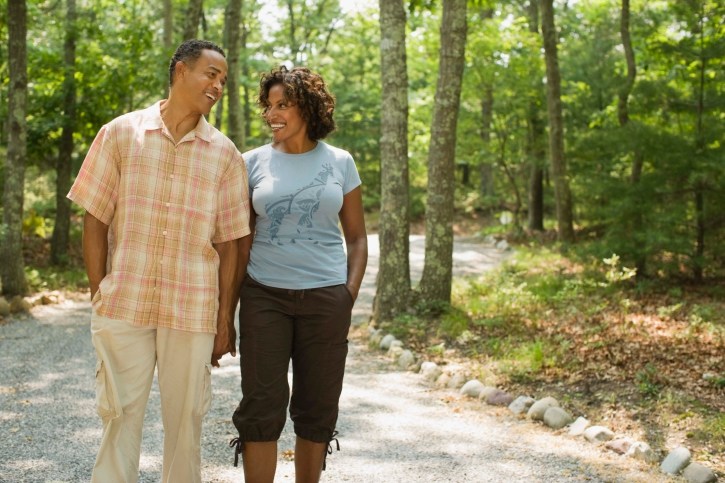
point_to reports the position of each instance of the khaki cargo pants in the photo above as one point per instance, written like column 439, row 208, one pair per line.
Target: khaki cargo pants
column 127, row 356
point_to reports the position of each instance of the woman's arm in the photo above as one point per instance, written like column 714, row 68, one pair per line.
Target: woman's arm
column 245, row 246
column 356, row 239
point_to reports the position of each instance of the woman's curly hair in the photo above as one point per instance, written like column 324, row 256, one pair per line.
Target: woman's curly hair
column 308, row 91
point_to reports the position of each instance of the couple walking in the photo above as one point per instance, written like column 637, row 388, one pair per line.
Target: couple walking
column 179, row 227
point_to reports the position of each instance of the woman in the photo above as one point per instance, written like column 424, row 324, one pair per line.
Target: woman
column 300, row 283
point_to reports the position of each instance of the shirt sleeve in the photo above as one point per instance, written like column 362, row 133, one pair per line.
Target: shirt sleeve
column 232, row 220
column 352, row 177
column 96, row 186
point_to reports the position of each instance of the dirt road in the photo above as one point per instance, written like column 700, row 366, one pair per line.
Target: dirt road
column 393, row 427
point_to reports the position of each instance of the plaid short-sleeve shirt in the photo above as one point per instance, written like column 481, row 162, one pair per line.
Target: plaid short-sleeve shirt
column 166, row 204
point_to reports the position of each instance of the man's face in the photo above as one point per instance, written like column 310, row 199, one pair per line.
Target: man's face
column 202, row 82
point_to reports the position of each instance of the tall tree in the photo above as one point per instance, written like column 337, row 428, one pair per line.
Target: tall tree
column 486, row 171
column 246, row 105
column 435, row 285
column 700, row 183
column 168, row 12
column 625, row 91
column 12, row 269
column 235, row 116
column 556, row 125
column 535, row 146
column 487, row 184
column 193, row 18
column 168, row 39
column 61, row 230
column 393, row 282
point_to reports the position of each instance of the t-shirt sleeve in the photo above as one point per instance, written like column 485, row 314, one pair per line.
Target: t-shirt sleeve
column 352, row 177
column 232, row 220
column 96, row 186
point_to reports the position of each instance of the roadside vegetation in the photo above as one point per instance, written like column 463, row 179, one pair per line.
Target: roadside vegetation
column 645, row 357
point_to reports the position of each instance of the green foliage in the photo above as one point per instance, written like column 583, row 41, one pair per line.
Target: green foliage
column 34, row 224
column 648, row 382
column 714, row 428
column 675, row 126
column 528, row 358
column 70, row 279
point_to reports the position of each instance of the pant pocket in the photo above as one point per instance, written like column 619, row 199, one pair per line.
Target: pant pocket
column 203, row 403
column 107, row 404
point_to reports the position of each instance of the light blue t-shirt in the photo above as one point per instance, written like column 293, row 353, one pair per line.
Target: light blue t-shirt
column 297, row 199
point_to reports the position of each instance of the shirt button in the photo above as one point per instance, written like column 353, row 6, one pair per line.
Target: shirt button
column 168, row 204
column 164, row 232
column 171, row 176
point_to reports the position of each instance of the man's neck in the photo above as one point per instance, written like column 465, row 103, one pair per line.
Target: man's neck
column 177, row 119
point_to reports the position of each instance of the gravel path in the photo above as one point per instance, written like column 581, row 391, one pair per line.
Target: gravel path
column 393, row 427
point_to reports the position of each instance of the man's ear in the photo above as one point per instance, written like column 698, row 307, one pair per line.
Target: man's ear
column 181, row 68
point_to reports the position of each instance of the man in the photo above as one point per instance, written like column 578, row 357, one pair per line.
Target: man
column 166, row 201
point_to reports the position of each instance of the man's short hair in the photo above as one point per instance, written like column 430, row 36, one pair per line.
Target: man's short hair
column 189, row 51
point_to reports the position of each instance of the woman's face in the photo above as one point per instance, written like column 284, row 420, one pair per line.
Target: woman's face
column 284, row 118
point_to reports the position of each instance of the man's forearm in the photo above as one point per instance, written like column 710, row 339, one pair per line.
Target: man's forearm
column 95, row 250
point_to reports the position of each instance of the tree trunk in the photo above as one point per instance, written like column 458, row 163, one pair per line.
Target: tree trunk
column 626, row 90
column 234, row 114
column 435, row 285
column 536, row 197
column 512, row 179
column 535, row 146
column 219, row 107
column 294, row 47
column 623, row 116
column 393, row 281
column 556, row 125
column 219, row 112
column 699, row 187
column 60, row 241
column 168, row 26
column 246, row 105
column 486, row 170
column 12, row 269
column 193, row 18
column 168, row 13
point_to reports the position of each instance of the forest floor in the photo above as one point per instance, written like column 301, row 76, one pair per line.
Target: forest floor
column 393, row 425
column 643, row 365
column 617, row 385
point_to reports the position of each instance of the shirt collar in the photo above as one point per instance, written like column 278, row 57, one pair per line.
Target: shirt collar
column 152, row 120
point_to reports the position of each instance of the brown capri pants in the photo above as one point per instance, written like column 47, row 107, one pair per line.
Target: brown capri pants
column 310, row 327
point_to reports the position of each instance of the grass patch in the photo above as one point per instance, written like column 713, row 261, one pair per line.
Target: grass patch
column 71, row 279
column 632, row 352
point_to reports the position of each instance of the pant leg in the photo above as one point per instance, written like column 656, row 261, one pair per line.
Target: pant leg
column 265, row 347
column 318, row 361
column 124, row 373
column 184, row 366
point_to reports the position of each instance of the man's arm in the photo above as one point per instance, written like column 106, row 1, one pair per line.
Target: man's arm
column 226, row 336
column 95, row 250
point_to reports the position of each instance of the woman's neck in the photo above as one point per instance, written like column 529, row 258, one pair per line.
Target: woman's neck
column 295, row 147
